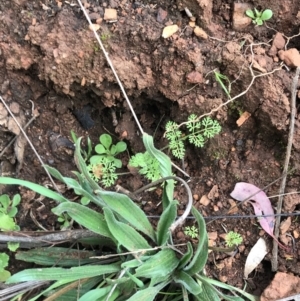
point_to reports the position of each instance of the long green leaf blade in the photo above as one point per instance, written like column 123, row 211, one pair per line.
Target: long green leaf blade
column 208, row 293
column 77, row 187
column 186, row 257
column 166, row 220
column 63, row 257
column 165, row 163
column 82, row 166
column 161, row 264
column 128, row 210
column 84, row 216
column 200, row 257
column 125, row 234
column 61, row 273
column 188, row 282
column 35, row 187
column 147, row 294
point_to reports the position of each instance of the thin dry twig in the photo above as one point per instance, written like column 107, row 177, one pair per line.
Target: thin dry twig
column 274, row 260
column 29, row 142
column 111, row 66
column 254, row 77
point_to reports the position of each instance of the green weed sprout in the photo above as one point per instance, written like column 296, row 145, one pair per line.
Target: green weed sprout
column 103, row 166
column 221, row 79
column 105, row 149
column 191, row 231
column 147, row 164
column 4, row 274
column 8, row 210
column 258, row 17
column 233, row 239
column 199, row 133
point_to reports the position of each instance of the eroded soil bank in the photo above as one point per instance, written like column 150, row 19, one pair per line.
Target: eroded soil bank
column 50, row 59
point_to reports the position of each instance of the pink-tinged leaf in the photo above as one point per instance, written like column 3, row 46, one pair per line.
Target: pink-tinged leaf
column 260, row 203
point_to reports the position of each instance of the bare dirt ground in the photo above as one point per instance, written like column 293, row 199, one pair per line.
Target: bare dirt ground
column 50, row 58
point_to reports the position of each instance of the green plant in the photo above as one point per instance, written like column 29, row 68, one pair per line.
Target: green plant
column 85, row 153
column 8, row 210
column 221, row 79
column 148, row 165
column 199, row 132
column 258, row 17
column 103, row 166
column 143, row 262
column 233, row 239
column 4, row 274
column 191, row 231
column 105, row 149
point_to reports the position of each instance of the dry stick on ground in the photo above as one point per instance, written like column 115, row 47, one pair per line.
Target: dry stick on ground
column 274, row 260
column 29, row 142
column 254, row 77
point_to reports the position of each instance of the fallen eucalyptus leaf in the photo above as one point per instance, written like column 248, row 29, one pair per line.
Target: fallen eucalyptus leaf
column 256, row 255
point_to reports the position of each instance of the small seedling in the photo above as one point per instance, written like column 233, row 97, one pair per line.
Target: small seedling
column 233, row 239
column 148, row 165
column 103, row 166
column 191, row 231
column 199, row 133
column 221, row 79
column 85, row 153
column 107, row 150
column 8, row 210
column 258, row 17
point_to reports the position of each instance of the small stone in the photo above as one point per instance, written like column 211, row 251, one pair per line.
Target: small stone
column 212, row 235
column 199, row 32
column 296, row 234
column 290, row 57
column 192, row 23
column 285, row 225
column 169, row 31
column 204, row 200
column 239, row 19
column 278, row 43
column 161, row 15
column 110, row 14
column 194, row 77
column 196, row 197
column 94, row 27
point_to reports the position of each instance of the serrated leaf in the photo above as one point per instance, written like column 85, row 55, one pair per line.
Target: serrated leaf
column 200, row 257
column 125, row 207
column 84, row 216
column 166, row 219
column 125, row 234
column 6, row 222
column 188, row 282
column 13, row 246
column 161, row 264
column 55, row 274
